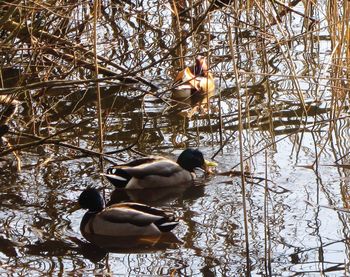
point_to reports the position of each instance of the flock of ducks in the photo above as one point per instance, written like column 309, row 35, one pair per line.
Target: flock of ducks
column 138, row 220
column 135, row 219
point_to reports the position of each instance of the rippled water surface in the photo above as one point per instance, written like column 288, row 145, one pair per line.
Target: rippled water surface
column 294, row 141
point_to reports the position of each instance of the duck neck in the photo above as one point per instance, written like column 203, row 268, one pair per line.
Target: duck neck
column 97, row 205
column 97, row 208
column 86, row 221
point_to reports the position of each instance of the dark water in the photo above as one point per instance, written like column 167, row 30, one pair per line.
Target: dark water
column 300, row 230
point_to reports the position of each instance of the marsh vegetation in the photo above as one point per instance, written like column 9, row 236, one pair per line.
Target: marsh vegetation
column 87, row 84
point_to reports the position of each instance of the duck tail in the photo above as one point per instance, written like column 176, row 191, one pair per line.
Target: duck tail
column 166, row 224
column 117, row 176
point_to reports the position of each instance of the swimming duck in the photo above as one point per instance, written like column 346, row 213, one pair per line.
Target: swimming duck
column 157, row 171
column 121, row 220
column 194, row 81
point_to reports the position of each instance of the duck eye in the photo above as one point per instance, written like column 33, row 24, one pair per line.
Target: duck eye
column 111, row 171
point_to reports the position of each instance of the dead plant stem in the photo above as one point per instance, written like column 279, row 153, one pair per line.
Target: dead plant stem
column 240, row 138
column 266, row 224
column 98, row 91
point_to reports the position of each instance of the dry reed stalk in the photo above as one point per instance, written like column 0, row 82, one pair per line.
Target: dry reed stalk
column 178, row 30
column 268, row 86
column 287, row 56
column 267, row 237
column 48, row 140
column 322, row 122
column 14, row 152
column 207, row 95
column 70, row 56
column 60, row 84
column 220, row 114
column 240, row 137
column 98, row 91
column 339, row 30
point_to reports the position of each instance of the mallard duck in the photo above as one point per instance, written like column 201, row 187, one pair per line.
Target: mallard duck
column 121, row 220
column 157, row 171
column 194, row 81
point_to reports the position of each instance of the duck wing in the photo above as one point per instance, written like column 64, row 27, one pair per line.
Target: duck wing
column 206, row 84
column 138, row 215
column 146, row 209
column 162, row 167
column 140, row 161
column 119, row 175
column 165, row 223
column 124, row 213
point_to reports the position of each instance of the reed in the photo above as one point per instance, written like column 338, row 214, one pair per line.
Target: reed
column 241, row 151
column 267, row 234
column 98, row 91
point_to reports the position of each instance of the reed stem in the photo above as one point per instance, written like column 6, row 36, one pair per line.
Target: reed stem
column 240, row 138
column 98, row 91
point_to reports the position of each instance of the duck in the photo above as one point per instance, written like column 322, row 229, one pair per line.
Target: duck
column 157, row 171
column 122, row 220
column 10, row 108
column 194, row 82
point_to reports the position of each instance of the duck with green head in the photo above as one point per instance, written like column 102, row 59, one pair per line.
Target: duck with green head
column 122, row 220
column 157, row 171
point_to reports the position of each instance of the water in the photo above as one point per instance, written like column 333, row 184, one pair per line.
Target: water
column 294, row 155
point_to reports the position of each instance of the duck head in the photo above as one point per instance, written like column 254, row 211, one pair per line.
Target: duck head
column 190, row 159
column 92, row 200
column 201, row 67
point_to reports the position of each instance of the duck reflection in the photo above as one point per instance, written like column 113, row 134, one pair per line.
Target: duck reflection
column 58, row 248
column 133, row 244
column 96, row 248
column 8, row 247
column 187, row 106
column 158, row 197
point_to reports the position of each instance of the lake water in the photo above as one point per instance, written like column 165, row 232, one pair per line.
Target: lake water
column 295, row 144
